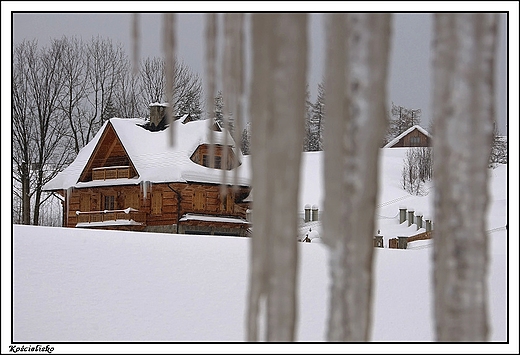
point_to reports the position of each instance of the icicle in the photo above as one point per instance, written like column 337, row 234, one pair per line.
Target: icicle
column 232, row 70
column 144, row 189
column 211, row 64
column 169, row 53
column 277, row 110
column 356, row 76
column 135, row 44
column 463, row 103
column 228, row 92
column 68, row 192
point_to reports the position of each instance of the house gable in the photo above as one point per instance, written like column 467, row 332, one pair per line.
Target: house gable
column 109, row 159
column 414, row 136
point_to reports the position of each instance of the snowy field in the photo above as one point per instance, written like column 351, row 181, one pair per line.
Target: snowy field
column 77, row 285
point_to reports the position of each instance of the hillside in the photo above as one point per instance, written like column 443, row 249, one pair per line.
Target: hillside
column 106, row 286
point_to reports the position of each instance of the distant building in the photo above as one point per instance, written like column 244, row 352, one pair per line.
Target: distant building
column 415, row 136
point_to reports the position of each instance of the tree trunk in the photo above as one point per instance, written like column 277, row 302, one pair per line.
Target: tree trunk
column 356, row 74
column 26, row 197
column 464, row 50
column 277, row 111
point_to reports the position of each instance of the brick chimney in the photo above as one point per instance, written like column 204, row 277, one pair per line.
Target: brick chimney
column 157, row 113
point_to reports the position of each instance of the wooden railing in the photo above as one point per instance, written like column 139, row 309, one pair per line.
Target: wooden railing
column 111, row 215
column 111, row 172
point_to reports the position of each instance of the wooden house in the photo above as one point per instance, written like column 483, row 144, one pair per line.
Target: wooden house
column 415, row 136
column 131, row 177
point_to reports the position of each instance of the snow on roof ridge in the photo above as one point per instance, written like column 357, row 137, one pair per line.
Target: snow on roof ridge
column 152, row 156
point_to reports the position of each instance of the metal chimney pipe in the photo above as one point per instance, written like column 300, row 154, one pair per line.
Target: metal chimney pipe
column 307, row 217
column 314, row 215
column 410, row 217
column 402, row 214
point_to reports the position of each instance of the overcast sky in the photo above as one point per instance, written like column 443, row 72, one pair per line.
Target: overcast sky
column 409, row 81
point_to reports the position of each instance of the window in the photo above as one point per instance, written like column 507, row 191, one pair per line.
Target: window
column 415, row 140
column 227, row 203
column 132, row 200
column 217, row 162
column 157, row 203
column 84, row 202
column 199, row 200
column 109, row 202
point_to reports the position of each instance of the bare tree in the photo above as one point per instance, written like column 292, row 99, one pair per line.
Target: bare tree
column 187, row 91
column 105, row 67
column 400, row 119
column 128, row 99
column 463, row 101
column 23, row 143
column 38, row 124
column 417, row 169
column 356, row 76
column 75, row 90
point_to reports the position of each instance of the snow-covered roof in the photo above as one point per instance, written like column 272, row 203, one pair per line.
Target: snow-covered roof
column 206, row 218
column 398, row 138
column 117, row 222
column 154, row 159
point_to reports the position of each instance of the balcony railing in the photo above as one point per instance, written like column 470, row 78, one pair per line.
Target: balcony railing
column 111, row 172
column 112, row 215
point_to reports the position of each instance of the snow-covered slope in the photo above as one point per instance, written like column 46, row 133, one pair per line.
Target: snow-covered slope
column 90, row 286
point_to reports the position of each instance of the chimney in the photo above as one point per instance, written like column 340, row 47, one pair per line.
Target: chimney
column 410, row 217
column 314, row 214
column 402, row 214
column 418, row 220
column 428, row 224
column 307, row 217
column 157, row 113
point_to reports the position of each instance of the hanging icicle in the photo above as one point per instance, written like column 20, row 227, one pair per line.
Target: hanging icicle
column 67, row 193
column 169, row 54
column 228, row 91
column 145, row 188
column 463, row 102
column 356, row 76
column 211, row 67
column 135, row 44
column 277, row 107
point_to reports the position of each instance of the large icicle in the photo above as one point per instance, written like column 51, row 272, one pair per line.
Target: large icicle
column 135, row 44
column 232, row 80
column 356, row 76
column 169, row 54
column 277, row 107
column 463, row 109
column 211, row 75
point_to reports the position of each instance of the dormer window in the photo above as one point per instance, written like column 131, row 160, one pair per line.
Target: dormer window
column 201, row 156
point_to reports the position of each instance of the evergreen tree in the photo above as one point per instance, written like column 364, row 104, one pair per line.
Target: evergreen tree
column 109, row 111
column 316, row 124
column 246, row 139
column 308, row 110
column 219, row 106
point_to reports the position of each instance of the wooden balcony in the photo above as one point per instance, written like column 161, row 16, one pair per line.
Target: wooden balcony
column 98, row 217
column 111, row 172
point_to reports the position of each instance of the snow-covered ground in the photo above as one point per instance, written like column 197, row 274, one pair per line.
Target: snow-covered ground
column 77, row 285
